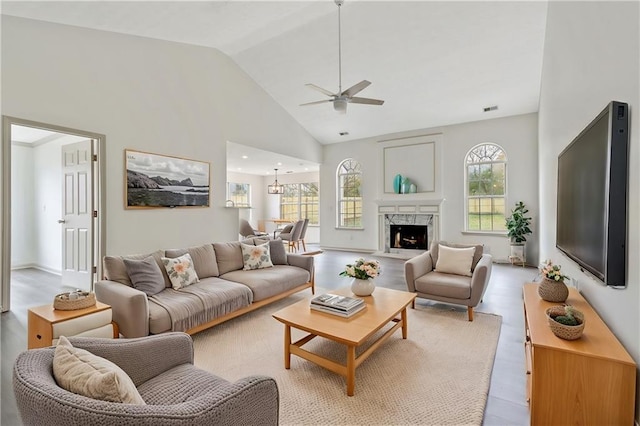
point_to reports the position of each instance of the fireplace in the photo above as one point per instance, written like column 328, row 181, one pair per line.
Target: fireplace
column 407, row 232
column 408, row 237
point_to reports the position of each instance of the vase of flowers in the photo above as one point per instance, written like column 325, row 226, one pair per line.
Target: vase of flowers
column 363, row 272
column 552, row 288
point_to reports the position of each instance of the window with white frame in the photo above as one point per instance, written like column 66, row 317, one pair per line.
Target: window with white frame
column 239, row 193
column 300, row 201
column 349, row 194
column 485, row 188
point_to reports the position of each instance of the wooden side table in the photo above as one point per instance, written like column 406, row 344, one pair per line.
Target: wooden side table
column 45, row 323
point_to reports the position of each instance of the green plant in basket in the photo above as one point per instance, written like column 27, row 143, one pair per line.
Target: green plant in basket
column 569, row 318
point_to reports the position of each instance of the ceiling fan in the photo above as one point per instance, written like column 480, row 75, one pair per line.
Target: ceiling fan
column 342, row 98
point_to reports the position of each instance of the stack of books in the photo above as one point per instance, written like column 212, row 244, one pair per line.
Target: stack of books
column 343, row 306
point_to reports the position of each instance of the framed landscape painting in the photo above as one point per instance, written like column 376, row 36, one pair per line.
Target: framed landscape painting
column 155, row 180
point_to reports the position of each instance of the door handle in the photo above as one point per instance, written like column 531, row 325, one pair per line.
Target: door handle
column 61, row 221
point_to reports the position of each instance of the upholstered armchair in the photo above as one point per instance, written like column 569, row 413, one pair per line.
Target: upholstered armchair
column 161, row 367
column 460, row 278
column 247, row 231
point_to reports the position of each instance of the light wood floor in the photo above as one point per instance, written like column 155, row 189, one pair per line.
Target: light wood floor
column 506, row 404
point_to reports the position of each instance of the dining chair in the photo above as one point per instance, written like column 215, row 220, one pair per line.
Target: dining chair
column 293, row 236
column 302, row 235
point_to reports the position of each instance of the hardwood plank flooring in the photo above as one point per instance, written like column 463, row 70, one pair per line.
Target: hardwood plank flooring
column 506, row 404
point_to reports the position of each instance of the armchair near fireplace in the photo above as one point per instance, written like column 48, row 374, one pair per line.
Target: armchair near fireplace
column 451, row 273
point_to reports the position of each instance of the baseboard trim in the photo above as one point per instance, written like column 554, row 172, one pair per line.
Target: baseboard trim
column 38, row 267
column 354, row 249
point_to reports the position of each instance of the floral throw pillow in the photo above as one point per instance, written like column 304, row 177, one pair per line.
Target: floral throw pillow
column 180, row 270
column 256, row 257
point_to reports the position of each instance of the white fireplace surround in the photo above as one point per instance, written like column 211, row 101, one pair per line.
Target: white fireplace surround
column 407, row 211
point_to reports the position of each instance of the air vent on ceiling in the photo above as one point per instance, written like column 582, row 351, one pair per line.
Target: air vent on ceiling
column 344, row 133
column 490, row 108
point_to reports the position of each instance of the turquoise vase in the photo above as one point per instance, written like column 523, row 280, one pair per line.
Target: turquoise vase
column 397, row 183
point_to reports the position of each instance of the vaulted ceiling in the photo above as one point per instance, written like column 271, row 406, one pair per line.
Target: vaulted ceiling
column 434, row 63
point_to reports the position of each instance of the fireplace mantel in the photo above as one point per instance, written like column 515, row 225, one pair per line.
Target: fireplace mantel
column 407, row 200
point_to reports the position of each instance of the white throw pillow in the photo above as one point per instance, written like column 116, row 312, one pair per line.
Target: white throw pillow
column 456, row 261
column 180, row 270
column 256, row 257
column 81, row 372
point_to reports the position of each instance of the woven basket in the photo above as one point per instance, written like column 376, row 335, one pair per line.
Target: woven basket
column 84, row 299
column 566, row 332
column 553, row 291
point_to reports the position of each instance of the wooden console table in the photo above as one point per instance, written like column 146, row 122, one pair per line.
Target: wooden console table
column 589, row 381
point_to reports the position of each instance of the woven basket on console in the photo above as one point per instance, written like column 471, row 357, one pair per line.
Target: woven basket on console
column 566, row 332
column 85, row 299
column 553, row 291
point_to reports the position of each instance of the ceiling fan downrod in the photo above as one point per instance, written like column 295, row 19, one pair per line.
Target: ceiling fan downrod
column 339, row 3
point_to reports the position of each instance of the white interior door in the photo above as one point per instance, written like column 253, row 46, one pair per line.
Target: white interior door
column 77, row 215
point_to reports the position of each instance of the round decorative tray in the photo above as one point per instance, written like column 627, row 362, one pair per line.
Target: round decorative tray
column 74, row 300
column 566, row 332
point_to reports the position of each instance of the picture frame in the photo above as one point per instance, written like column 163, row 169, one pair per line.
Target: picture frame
column 164, row 181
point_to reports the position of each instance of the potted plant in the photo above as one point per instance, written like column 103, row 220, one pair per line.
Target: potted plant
column 566, row 322
column 518, row 227
column 552, row 288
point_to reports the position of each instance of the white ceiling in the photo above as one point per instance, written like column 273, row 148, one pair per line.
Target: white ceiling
column 254, row 161
column 434, row 63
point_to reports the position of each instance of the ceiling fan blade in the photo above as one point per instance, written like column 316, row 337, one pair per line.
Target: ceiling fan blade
column 320, row 89
column 317, row 102
column 356, row 88
column 367, row 101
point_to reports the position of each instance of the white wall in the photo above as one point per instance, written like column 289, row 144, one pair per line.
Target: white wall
column 517, row 135
column 591, row 57
column 150, row 95
column 23, row 246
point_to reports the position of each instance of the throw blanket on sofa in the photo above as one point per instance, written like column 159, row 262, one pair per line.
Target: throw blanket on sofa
column 200, row 303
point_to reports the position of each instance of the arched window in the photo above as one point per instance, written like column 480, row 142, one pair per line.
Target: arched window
column 349, row 198
column 485, row 188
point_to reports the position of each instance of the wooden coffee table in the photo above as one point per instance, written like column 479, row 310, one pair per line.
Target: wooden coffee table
column 383, row 307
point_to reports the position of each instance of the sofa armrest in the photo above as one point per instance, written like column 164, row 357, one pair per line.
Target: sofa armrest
column 480, row 279
column 141, row 358
column 129, row 306
column 301, row 261
column 416, row 267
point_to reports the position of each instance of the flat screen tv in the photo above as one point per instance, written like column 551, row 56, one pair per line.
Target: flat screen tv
column 592, row 196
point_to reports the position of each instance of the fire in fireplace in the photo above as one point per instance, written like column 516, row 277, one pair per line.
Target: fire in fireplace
column 408, row 237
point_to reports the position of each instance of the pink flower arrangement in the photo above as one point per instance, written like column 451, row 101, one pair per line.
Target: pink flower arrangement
column 551, row 271
column 362, row 269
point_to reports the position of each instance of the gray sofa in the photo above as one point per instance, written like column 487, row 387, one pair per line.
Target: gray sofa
column 224, row 291
column 161, row 367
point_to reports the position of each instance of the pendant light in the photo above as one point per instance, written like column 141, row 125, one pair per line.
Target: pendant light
column 275, row 187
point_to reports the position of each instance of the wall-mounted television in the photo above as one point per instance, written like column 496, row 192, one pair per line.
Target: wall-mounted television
column 592, row 196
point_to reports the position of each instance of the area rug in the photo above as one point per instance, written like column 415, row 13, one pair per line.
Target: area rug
column 440, row 375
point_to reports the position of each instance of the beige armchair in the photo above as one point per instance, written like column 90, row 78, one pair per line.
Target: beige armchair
column 423, row 278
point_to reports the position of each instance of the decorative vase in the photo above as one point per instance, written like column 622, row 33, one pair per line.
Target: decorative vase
column 397, row 183
column 413, row 188
column 406, row 186
column 362, row 287
column 553, row 291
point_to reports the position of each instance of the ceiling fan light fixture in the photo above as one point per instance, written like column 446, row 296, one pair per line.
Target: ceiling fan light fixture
column 340, row 105
column 275, row 187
